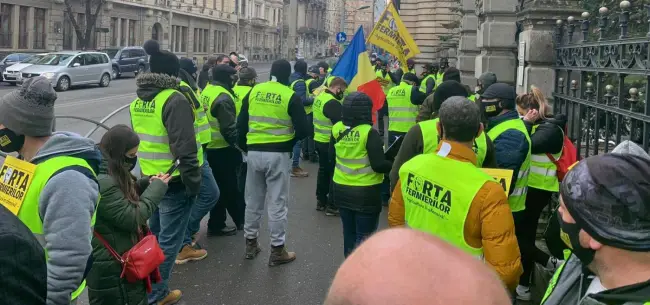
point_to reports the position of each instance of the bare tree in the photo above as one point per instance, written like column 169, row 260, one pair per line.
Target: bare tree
column 86, row 30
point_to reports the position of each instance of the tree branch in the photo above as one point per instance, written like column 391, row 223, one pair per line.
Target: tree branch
column 72, row 18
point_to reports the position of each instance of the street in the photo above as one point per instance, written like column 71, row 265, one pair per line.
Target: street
column 225, row 277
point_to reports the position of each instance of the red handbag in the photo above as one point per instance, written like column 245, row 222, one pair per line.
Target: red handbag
column 140, row 261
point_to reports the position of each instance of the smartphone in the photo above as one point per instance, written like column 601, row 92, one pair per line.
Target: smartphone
column 174, row 167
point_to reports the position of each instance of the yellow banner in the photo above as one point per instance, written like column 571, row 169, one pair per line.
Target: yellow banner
column 391, row 35
column 503, row 176
column 15, row 178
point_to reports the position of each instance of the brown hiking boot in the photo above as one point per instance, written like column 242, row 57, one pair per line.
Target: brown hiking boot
column 252, row 248
column 172, row 298
column 279, row 256
column 299, row 172
column 188, row 253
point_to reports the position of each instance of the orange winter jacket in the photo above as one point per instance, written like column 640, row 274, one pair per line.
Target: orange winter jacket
column 489, row 222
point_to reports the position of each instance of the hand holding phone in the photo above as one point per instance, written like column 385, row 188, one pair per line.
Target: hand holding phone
column 174, row 167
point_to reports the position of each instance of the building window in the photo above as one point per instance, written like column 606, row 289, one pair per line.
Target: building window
column 267, row 14
column 123, row 33
column 132, row 27
column 68, row 33
column 23, row 35
column 6, row 22
column 39, row 28
column 196, row 39
column 258, row 11
column 114, row 24
column 184, row 37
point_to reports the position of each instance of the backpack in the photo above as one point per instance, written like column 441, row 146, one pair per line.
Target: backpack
column 568, row 158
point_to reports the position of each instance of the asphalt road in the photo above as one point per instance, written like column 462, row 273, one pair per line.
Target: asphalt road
column 225, row 277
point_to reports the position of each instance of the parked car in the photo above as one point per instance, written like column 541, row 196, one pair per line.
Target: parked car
column 67, row 69
column 11, row 74
column 127, row 60
column 12, row 59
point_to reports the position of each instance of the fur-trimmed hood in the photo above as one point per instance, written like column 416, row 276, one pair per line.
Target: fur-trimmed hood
column 150, row 84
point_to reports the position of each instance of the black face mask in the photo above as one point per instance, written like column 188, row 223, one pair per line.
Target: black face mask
column 129, row 162
column 570, row 235
column 491, row 109
column 10, row 141
column 339, row 96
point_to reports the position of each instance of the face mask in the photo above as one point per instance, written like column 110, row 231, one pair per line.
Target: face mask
column 339, row 95
column 491, row 109
column 570, row 235
column 10, row 141
column 130, row 162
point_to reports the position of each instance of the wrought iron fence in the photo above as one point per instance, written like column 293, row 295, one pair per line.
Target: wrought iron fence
column 603, row 85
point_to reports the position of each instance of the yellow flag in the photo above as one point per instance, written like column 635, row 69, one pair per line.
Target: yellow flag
column 391, row 35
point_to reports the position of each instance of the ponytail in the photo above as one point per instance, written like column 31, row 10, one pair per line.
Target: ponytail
column 535, row 99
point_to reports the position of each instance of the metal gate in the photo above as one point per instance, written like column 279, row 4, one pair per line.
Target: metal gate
column 602, row 82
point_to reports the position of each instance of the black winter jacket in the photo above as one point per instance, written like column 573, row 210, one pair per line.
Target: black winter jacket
column 178, row 118
column 224, row 110
column 549, row 135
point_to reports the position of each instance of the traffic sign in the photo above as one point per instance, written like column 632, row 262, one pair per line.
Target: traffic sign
column 341, row 37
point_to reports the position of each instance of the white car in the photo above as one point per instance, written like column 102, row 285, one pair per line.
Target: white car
column 11, row 74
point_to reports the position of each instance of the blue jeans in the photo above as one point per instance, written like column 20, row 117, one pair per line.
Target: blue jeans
column 208, row 197
column 357, row 227
column 169, row 224
column 297, row 148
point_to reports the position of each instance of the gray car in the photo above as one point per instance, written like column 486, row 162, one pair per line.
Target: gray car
column 67, row 69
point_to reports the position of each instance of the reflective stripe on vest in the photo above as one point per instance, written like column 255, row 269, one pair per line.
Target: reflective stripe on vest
column 208, row 97
column 29, row 212
column 385, row 80
column 428, row 197
column 269, row 120
column 322, row 125
column 430, row 140
column 201, row 126
column 308, row 109
column 517, row 198
column 154, row 154
column 423, row 87
column 401, row 112
column 352, row 163
column 543, row 172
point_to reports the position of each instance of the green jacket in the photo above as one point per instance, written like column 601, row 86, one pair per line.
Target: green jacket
column 118, row 221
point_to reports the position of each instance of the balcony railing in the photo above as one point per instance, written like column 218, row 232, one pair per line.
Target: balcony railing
column 259, row 22
column 40, row 41
column 6, row 40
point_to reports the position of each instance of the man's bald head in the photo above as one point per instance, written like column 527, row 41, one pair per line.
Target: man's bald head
column 402, row 266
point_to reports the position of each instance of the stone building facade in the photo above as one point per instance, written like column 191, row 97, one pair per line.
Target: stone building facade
column 432, row 23
column 310, row 24
column 189, row 28
column 354, row 17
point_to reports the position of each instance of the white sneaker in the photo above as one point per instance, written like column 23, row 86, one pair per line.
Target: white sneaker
column 553, row 263
column 523, row 293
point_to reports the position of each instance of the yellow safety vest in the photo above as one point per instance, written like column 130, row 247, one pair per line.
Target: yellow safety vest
column 308, row 109
column 322, row 124
column 328, row 80
column 439, row 76
column 401, row 112
column 209, row 95
column 473, row 97
column 517, row 198
column 154, row 154
column 240, row 92
column 29, row 211
column 352, row 163
column 430, row 140
column 423, row 87
column 439, row 204
column 385, row 80
column 543, row 172
column 269, row 120
column 201, row 126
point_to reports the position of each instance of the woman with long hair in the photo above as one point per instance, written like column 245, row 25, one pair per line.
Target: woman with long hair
column 547, row 139
column 124, row 208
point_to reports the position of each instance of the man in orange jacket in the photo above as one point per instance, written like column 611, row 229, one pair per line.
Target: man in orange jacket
column 479, row 221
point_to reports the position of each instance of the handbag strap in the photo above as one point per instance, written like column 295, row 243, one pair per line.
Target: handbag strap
column 108, row 247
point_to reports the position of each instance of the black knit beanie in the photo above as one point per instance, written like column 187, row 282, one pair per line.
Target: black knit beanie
column 446, row 90
column 300, row 67
column 281, row 70
column 451, row 74
column 161, row 61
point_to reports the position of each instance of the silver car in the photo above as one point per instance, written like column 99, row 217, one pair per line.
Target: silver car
column 12, row 73
column 67, row 69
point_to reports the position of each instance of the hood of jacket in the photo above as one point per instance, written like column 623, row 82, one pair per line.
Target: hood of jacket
column 357, row 109
column 150, row 84
column 296, row 76
column 557, row 119
column 70, row 144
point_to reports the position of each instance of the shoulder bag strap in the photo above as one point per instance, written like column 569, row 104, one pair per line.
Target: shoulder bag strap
column 108, row 247
column 343, row 134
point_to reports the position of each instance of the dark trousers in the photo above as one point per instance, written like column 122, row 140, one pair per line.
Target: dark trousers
column 308, row 145
column 536, row 201
column 357, row 227
column 385, row 186
column 225, row 162
column 325, row 174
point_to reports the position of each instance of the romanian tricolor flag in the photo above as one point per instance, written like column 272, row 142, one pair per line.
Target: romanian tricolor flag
column 354, row 66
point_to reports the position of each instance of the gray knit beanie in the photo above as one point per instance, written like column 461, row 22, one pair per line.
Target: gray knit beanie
column 29, row 110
